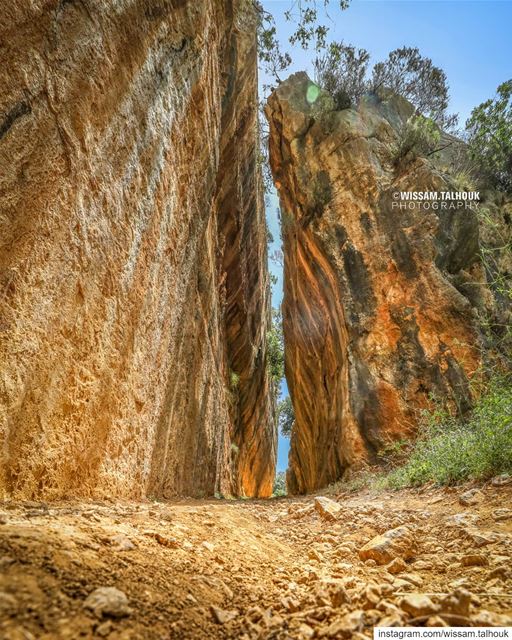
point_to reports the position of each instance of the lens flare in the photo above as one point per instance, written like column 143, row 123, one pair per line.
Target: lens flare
column 312, row 93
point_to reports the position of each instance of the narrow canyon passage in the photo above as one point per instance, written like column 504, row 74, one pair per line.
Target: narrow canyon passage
column 293, row 568
column 135, row 359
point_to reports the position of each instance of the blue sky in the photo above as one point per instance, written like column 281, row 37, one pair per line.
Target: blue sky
column 470, row 39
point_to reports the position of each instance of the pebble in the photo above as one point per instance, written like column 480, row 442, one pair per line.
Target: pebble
column 417, row 605
column 327, row 508
column 122, row 543
column 502, row 514
column 480, row 539
column 474, row 560
column 501, row 481
column 345, row 627
column 457, row 602
column 397, row 565
column 471, row 497
column 108, row 602
column 413, row 578
column 436, row 621
column 221, row 616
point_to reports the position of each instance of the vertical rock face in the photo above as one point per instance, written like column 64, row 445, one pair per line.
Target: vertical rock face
column 133, row 273
column 380, row 303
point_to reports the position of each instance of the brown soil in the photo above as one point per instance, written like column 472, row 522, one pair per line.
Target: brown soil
column 273, row 569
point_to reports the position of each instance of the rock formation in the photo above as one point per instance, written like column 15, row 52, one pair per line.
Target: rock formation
column 133, row 281
column 380, row 303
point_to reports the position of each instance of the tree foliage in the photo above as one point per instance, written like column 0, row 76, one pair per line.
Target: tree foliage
column 275, row 343
column 343, row 71
column 417, row 79
column 279, row 490
column 308, row 31
column 285, row 416
column 490, row 137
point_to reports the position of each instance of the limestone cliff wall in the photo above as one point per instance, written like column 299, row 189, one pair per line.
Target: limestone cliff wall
column 132, row 251
column 380, row 305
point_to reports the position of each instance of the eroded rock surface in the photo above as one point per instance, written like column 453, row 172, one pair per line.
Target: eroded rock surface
column 380, row 304
column 132, row 251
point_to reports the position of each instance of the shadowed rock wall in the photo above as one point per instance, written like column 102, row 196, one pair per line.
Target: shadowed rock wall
column 132, row 251
column 380, row 304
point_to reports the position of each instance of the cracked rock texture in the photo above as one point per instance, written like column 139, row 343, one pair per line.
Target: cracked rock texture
column 133, row 280
column 381, row 305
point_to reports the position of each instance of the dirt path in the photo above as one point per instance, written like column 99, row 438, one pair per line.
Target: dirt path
column 253, row 569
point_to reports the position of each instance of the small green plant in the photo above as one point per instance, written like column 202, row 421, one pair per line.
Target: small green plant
column 234, row 380
column 394, row 452
column 452, row 450
column 464, row 181
column 419, row 136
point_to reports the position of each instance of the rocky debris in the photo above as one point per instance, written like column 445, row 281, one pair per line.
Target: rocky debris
column 108, row 602
column 471, row 497
column 104, row 629
column 413, row 578
column 457, row 603
column 345, row 627
column 502, row 481
column 164, row 540
column 327, row 508
column 502, row 514
column 222, row 617
column 397, row 565
column 395, row 543
column 417, row 604
column 491, row 619
column 121, row 543
column 331, row 592
column 305, row 631
column 480, row 539
column 474, row 560
column 8, row 603
column 261, row 580
column 463, row 519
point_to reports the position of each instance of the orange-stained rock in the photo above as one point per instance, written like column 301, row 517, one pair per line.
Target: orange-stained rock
column 133, row 270
column 380, row 304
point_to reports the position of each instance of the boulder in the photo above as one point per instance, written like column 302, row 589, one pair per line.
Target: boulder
column 395, row 543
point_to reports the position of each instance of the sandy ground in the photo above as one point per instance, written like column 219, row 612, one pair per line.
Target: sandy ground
column 281, row 568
